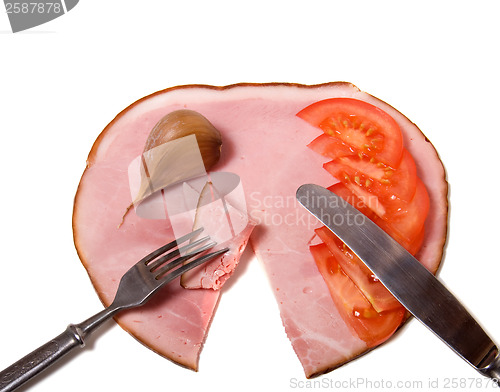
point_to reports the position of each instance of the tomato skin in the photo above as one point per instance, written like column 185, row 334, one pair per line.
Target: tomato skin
column 365, row 127
column 369, row 325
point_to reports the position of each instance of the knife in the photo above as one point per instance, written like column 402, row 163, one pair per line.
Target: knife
column 417, row 289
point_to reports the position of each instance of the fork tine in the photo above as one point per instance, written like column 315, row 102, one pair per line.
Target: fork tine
column 165, row 248
column 190, row 265
column 156, row 263
column 174, row 263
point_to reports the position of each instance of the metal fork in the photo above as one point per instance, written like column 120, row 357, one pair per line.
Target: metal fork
column 136, row 287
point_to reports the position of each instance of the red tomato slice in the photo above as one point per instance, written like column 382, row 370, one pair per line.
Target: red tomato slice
column 378, row 176
column 378, row 329
column 330, row 147
column 374, row 291
column 414, row 246
column 371, row 326
column 407, row 221
column 386, row 183
column 365, row 127
column 341, row 190
column 366, row 198
column 405, row 236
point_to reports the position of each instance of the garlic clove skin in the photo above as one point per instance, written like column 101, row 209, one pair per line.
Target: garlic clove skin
column 182, row 145
column 184, row 122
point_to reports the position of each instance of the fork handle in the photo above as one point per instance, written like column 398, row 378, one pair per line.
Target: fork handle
column 44, row 356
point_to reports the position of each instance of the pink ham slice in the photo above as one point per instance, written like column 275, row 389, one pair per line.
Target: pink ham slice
column 266, row 145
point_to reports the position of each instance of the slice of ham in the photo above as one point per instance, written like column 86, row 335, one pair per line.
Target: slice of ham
column 266, row 145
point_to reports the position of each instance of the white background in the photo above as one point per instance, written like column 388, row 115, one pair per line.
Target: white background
column 61, row 83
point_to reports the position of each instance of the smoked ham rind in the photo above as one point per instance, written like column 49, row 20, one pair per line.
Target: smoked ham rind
column 266, row 145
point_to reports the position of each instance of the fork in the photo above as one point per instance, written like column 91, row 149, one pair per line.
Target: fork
column 136, row 287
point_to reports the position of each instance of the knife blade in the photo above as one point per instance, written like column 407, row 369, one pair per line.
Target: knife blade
column 417, row 289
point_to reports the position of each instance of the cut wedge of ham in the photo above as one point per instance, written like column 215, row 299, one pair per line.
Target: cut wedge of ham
column 265, row 144
column 227, row 226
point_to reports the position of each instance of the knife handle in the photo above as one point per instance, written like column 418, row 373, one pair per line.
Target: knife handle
column 493, row 369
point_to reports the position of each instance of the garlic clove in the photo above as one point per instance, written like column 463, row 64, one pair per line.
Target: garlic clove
column 182, row 145
column 184, row 122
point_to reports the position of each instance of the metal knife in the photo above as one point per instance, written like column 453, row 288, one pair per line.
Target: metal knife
column 418, row 290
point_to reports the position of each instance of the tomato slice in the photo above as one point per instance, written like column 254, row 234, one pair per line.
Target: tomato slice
column 364, row 127
column 384, row 182
column 341, row 190
column 378, row 329
column 374, row 291
column 408, row 233
column 408, row 220
column 330, row 147
column 371, row 326
column 378, row 177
